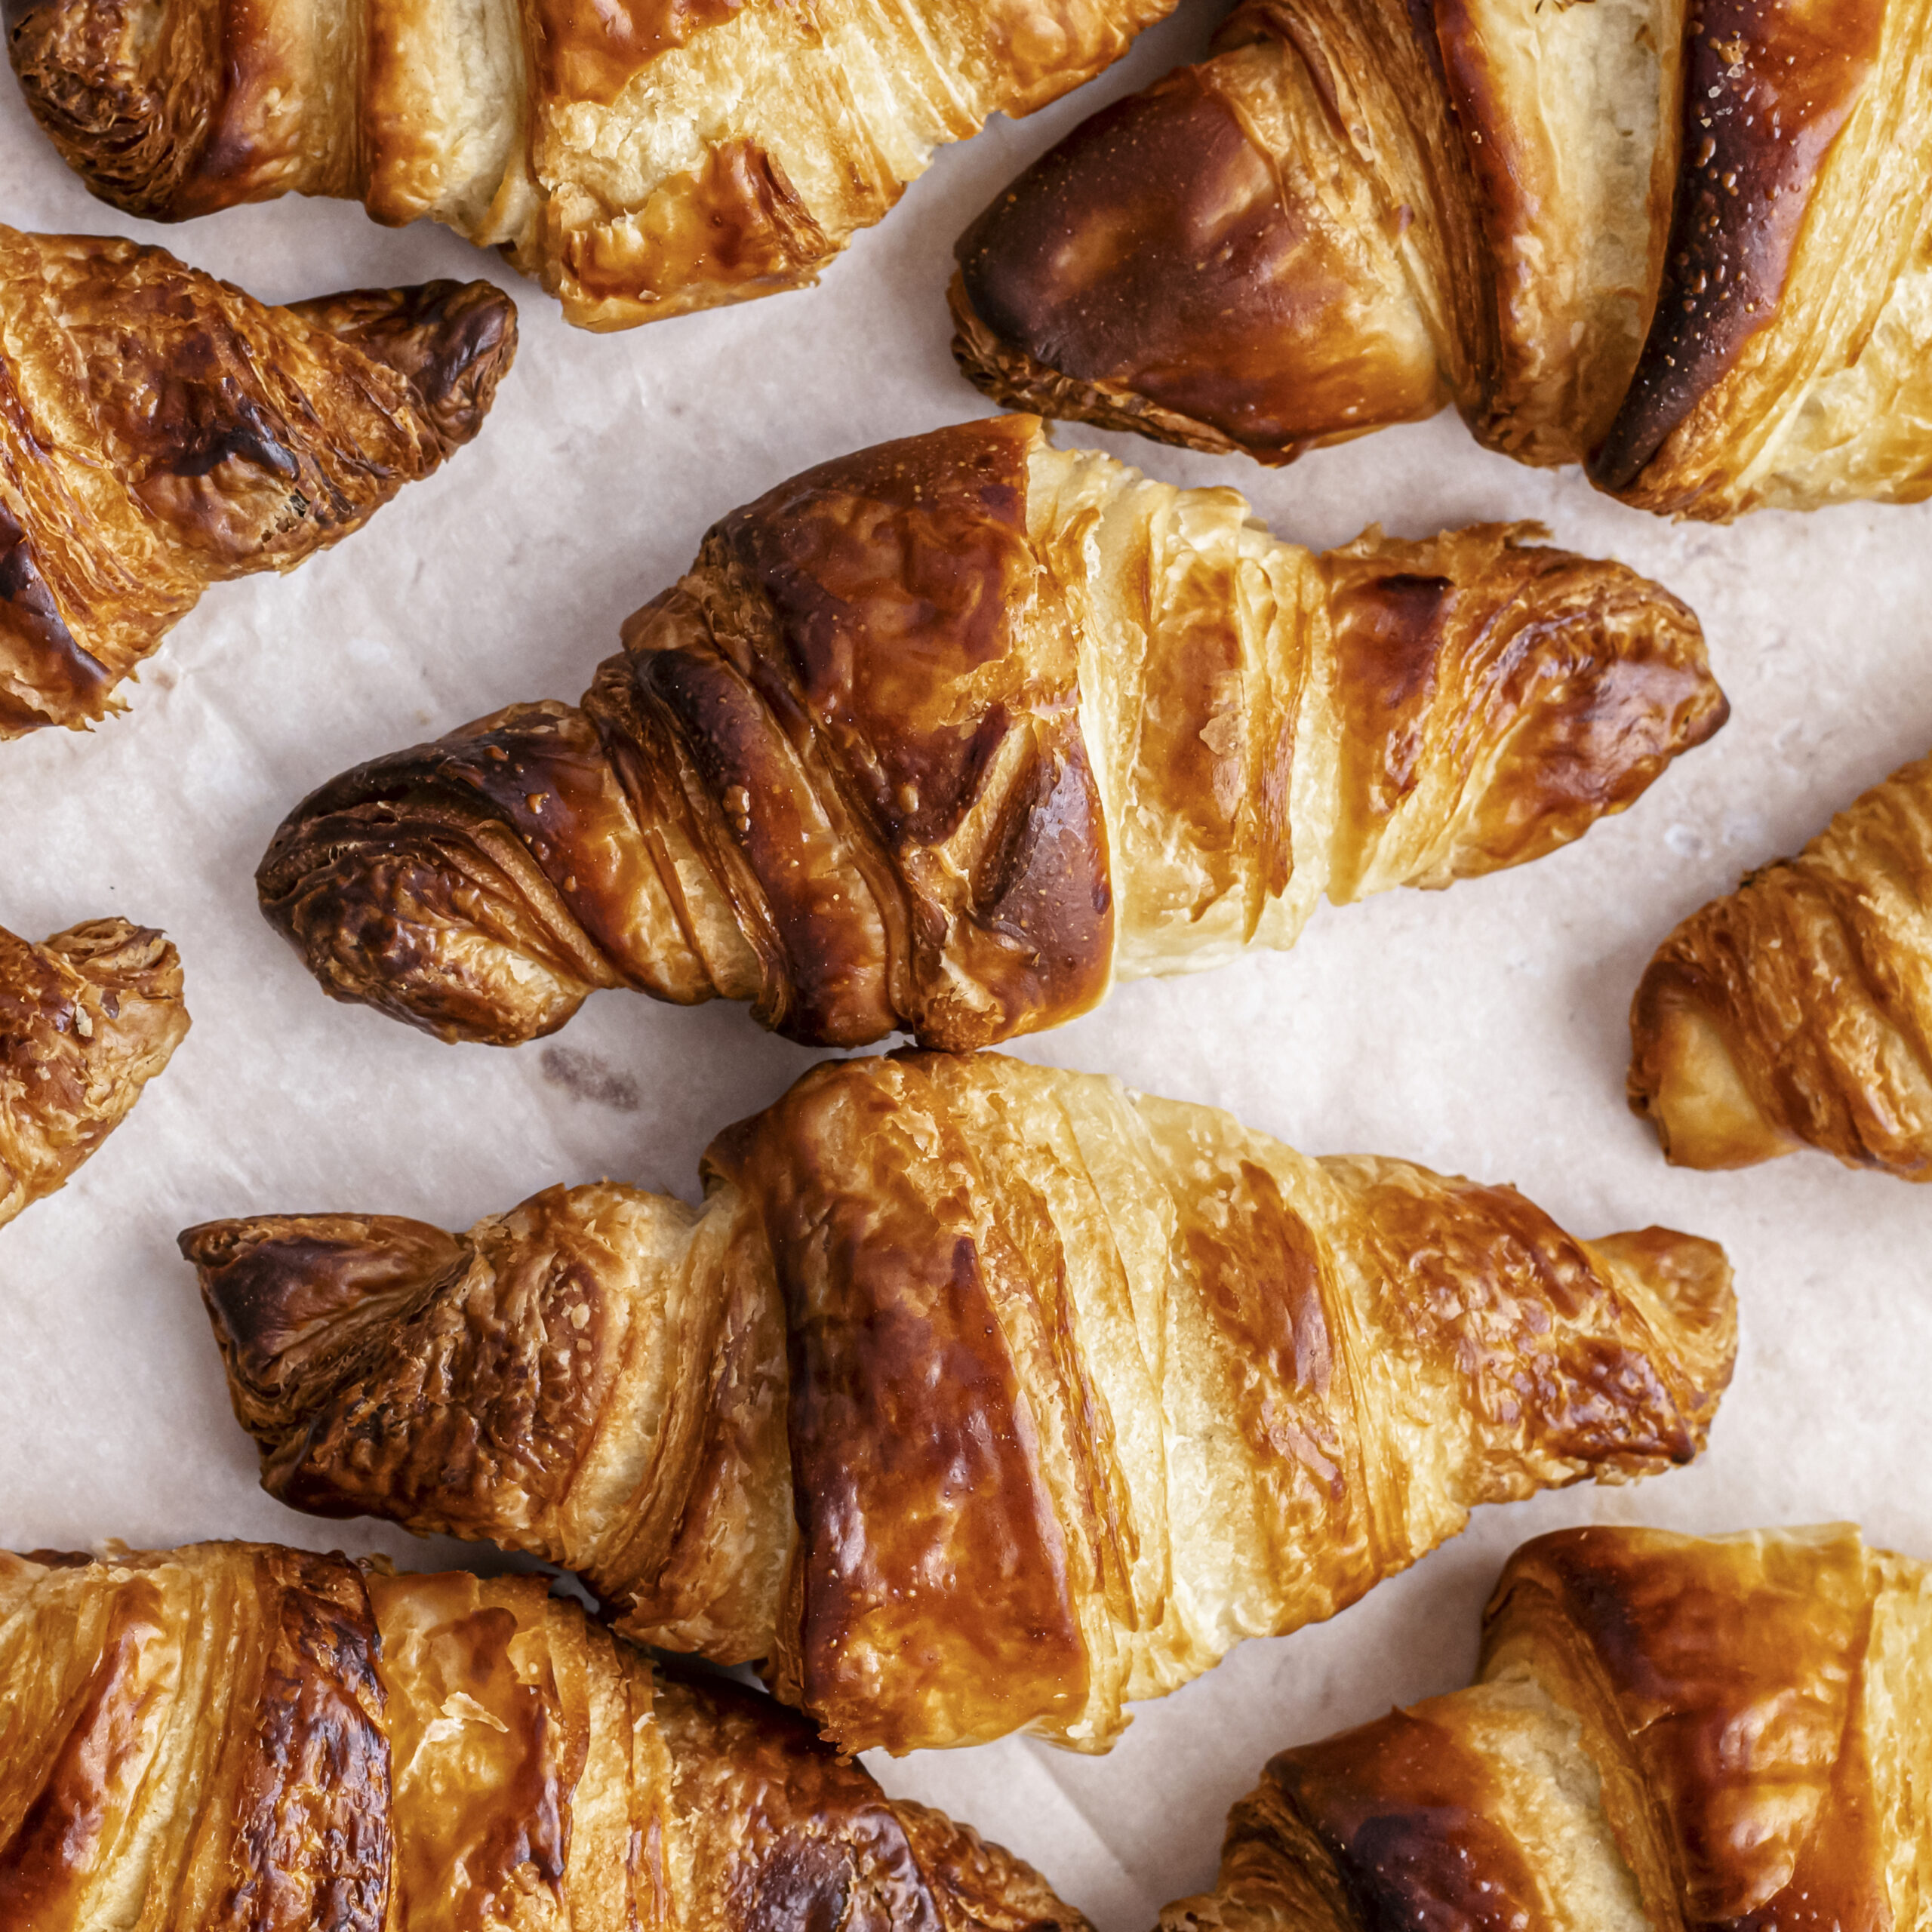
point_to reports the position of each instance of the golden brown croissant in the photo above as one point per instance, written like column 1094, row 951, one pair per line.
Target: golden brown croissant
column 87, row 1019
column 640, row 161
column 1080, row 1388
column 946, row 736
column 160, row 432
column 1798, row 1010
column 1689, row 244
column 1668, row 1734
column 241, row 1735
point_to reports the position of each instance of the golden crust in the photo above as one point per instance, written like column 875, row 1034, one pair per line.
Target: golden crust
column 161, row 431
column 1081, row 1387
column 242, row 1734
column 87, row 1019
column 946, row 736
column 1667, row 1732
column 640, row 161
column 1688, row 245
column 1798, row 1010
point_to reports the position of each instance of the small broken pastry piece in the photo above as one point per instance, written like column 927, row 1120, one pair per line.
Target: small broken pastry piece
column 1669, row 1733
column 87, row 1020
column 978, row 1397
column 1797, row 1011
column 641, row 161
column 160, row 431
column 945, row 736
column 260, row 1738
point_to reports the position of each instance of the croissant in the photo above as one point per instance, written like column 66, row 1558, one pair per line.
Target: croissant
column 87, row 1019
column 245, row 1735
column 161, row 431
column 640, row 161
column 946, row 736
column 1685, row 242
column 1797, row 1011
column 1080, row 1388
column 1666, row 1733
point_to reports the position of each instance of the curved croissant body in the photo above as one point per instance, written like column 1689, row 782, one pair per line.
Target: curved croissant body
column 1798, row 1010
column 640, row 161
column 161, row 431
column 87, row 1019
column 1668, row 1735
column 236, row 1734
column 1693, row 246
column 946, row 736
column 1079, row 1388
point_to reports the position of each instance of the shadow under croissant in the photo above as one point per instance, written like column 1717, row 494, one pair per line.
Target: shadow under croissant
column 1617, row 1766
column 219, row 436
column 191, row 1733
column 978, row 1396
column 945, row 736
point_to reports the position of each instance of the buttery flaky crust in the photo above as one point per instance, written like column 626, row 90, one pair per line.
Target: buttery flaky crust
column 640, row 161
column 946, row 736
column 1798, row 1010
column 244, row 1735
column 1080, row 1388
column 1692, row 245
column 161, row 431
column 1668, row 1734
column 87, row 1020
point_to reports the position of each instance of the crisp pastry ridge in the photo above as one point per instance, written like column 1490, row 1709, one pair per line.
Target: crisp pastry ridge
column 1688, row 244
column 88, row 1018
column 639, row 161
column 239, row 1734
column 945, row 736
column 161, row 431
column 1797, row 1010
column 1668, row 1733
column 978, row 1396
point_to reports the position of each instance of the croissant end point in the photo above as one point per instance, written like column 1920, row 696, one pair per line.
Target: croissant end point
column 96, row 74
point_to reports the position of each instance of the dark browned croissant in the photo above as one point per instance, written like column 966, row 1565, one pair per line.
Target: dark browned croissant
column 1688, row 240
column 259, row 1739
column 87, row 1020
column 640, row 160
column 1668, row 1735
column 160, row 432
column 1798, row 1010
column 946, row 736
column 1080, row 1388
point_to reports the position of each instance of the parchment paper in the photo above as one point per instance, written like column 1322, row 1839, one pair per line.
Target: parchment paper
column 1482, row 1030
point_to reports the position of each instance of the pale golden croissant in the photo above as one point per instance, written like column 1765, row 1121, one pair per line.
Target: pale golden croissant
column 946, row 736
column 1082, row 1387
column 87, row 1020
column 160, row 432
column 1798, row 1010
column 1668, row 1734
column 241, row 1735
column 1687, row 243
column 639, row 160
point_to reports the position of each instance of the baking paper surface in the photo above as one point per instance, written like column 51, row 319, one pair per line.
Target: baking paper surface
column 1481, row 1031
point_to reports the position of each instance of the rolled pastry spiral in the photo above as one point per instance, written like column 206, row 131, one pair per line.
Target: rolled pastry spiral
column 1797, row 1011
column 946, row 736
column 245, row 1735
column 639, row 160
column 1688, row 240
column 87, row 1019
column 1667, row 1734
column 977, row 1396
column 160, row 431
